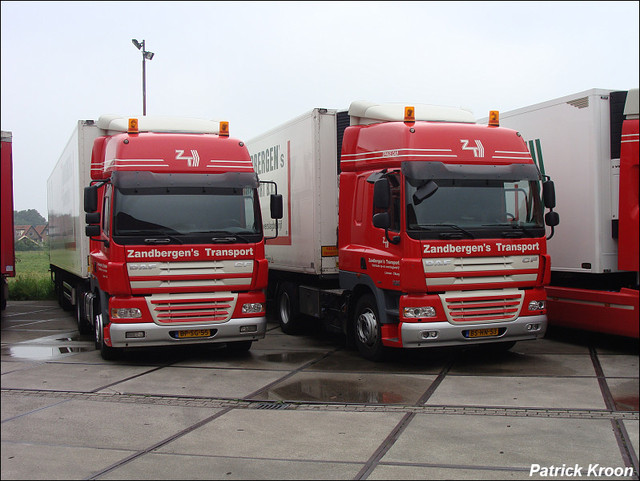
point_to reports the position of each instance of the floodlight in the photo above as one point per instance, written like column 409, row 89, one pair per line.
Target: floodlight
column 136, row 43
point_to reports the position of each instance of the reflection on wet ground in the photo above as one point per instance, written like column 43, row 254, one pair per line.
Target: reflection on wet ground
column 332, row 390
column 41, row 353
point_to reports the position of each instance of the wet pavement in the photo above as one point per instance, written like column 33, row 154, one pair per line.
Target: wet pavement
column 307, row 407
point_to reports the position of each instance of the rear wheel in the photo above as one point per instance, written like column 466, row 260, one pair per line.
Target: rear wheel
column 288, row 308
column 367, row 329
column 84, row 327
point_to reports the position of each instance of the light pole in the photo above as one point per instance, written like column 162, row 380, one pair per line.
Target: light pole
column 145, row 56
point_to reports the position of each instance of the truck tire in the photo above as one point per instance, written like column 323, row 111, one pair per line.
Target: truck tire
column 107, row 353
column 84, row 326
column 288, row 308
column 367, row 329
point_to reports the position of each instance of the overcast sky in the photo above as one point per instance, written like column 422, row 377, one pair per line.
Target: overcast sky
column 259, row 64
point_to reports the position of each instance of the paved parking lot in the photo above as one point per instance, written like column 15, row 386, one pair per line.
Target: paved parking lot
column 306, row 407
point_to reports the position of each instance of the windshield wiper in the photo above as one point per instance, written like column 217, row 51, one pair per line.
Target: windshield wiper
column 448, row 235
column 163, row 240
column 226, row 237
column 518, row 230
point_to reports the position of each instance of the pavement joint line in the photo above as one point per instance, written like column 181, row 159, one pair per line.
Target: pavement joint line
column 210, row 402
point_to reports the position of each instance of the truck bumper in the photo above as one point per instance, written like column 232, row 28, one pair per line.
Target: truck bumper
column 166, row 335
column 438, row 334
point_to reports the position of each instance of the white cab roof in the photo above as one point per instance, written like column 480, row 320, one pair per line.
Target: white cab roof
column 364, row 113
column 118, row 123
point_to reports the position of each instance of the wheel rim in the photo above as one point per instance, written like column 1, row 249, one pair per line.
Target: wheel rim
column 367, row 328
column 285, row 308
column 98, row 330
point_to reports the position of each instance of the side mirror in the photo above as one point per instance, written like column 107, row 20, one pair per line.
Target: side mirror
column 549, row 194
column 381, row 194
column 92, row 218
column 276, row 206
column 91, row 198
column 552, row 219
column 92, row 230
column 381, row 220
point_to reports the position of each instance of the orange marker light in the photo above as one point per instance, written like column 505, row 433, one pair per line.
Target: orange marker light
column 224, row 129
column 494, row 118
column 409, row 114
column 133, row 126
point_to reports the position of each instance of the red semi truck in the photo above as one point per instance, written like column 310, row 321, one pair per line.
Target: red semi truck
column 588, row 142
column 8, row 252
column 173, row 249
column 406, row 226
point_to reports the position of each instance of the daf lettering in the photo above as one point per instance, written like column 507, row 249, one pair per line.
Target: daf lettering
column 437, row 262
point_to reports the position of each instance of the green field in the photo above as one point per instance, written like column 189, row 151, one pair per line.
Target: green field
column 33, row 279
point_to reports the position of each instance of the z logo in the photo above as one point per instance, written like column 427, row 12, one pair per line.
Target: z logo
column 478, row 150
column 192, row 161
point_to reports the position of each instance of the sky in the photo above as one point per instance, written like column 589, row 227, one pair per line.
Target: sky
column 260, row 64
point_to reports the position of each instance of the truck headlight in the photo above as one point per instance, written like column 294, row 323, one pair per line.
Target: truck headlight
column 252, row 308
column 537, row 305
column 126, row 313
column 417, row 312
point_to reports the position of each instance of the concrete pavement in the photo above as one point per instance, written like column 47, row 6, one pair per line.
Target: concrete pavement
column 305, row 407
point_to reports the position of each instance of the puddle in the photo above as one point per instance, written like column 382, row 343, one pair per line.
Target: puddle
column 332, row 390
column 41, row 353
column 76, row 338
column 286, row 357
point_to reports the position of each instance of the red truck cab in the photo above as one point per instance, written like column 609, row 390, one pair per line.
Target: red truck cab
column 177, row 248
column 441, row 230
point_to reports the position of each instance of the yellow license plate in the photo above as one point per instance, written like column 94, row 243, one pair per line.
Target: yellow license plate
column 483, row 332
column 194, row 333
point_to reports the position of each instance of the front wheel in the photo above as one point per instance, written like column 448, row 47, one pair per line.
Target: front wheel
column 108, row 353
column 367, row 329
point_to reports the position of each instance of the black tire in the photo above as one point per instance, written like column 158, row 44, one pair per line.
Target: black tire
column 108, row 353
column 239, row 346
column 367, row 329
column 288, row 308
column 84, row 326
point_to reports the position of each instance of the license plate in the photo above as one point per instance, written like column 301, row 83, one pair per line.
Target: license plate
column 483, row 332
column 194, row 333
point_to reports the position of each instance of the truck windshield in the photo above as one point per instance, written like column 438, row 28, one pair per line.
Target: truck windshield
column 186, row 215
column 474, row 208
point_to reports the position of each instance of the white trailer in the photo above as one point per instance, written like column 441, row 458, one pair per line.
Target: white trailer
column 306, row 174
column 68, row 244
column 581, row 140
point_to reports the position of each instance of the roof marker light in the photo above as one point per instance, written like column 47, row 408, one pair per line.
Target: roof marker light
column 494, row 118
column 224, row 129
column 409, row 114
column 133, row 126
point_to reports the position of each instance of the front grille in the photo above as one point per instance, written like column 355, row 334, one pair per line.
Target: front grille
column 482, row 306
column 459, row 273
column 191, row 308
column 204, row 276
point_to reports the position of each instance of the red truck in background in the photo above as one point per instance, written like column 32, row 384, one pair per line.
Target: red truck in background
column 588, row 142
column 406, row 227
column 8, row 251
column 173, row 249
